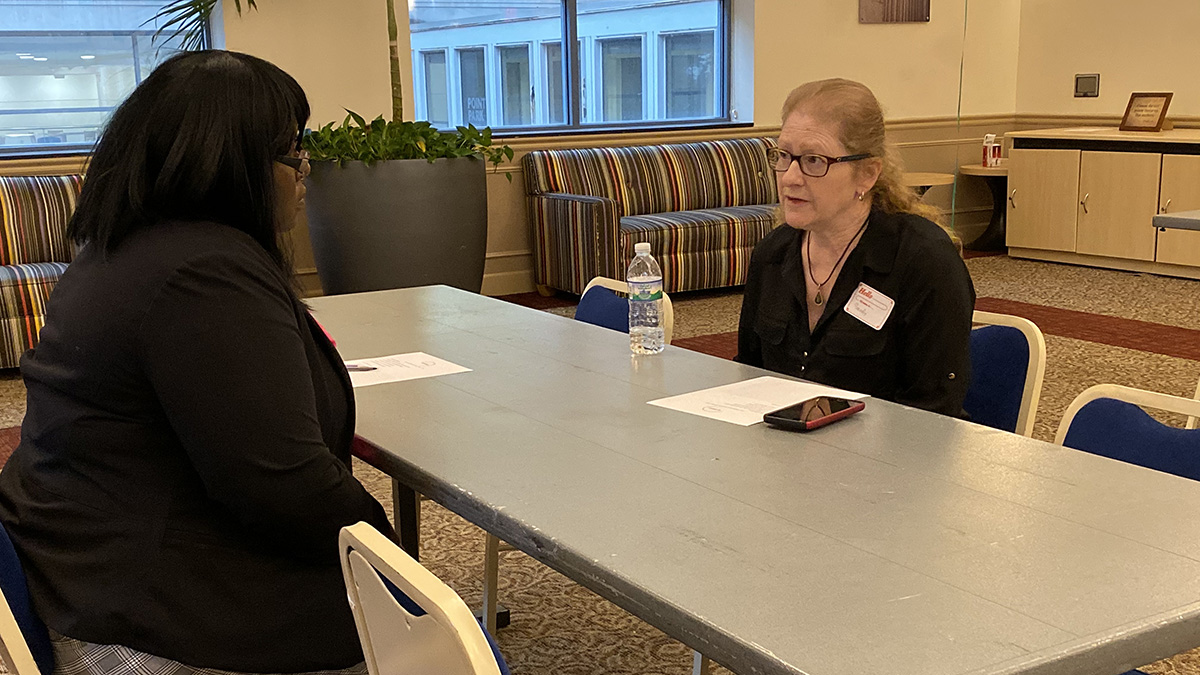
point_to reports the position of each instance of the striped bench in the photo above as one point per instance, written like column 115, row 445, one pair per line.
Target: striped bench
column 702, row 206
column 34, row 253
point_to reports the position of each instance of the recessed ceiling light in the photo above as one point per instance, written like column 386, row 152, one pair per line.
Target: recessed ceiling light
column 88, row 57
column 40, row 58
column 25, row 57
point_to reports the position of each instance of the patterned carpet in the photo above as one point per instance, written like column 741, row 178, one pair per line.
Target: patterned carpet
column 1100, row 325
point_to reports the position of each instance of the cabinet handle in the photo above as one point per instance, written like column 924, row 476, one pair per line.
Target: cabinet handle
column 1084, row 202
column 1166, row 206
column 1010, row 198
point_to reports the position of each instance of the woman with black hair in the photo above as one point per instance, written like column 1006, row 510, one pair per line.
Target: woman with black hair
column 184, row 466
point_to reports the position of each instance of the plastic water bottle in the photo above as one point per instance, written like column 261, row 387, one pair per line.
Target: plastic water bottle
column 644, row 277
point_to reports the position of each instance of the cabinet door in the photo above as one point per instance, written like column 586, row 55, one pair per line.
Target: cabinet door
column 1043, row 189
column 1118, row 197
column 1181, row 185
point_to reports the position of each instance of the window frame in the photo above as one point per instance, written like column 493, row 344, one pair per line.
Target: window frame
column 423, row 106
column 456, row 80
column 580, row 56
column 664, row 65
column 598, row 76
column 531, row 61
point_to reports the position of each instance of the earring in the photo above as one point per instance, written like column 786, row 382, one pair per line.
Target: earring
column 859, row 195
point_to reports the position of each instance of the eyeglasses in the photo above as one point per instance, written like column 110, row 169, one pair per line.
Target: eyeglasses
column 811, row 164
column 299, row 162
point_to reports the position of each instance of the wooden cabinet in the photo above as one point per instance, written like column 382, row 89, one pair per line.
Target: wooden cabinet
column 1089, row 196
column 1180, row 191
column 1043, row 194
column 1118, row 197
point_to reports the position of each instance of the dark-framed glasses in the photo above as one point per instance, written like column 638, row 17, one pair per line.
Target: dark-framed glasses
column 299, row 161
column 811, row 164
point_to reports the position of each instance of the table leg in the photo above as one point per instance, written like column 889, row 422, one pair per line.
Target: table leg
column 406, row 514
column 992, row 238
column 700, row 664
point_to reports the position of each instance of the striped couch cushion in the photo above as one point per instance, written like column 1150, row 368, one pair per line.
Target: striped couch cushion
column 34, row 212
column 24, row 290
column 659, row 178
column 704, row 248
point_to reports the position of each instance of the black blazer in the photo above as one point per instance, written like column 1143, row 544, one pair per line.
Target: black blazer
column 184, row 462
column 921, row 355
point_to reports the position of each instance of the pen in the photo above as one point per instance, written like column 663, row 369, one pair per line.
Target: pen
column 354, row 368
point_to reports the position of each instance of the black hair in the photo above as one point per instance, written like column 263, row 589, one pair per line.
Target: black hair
column 195, row 141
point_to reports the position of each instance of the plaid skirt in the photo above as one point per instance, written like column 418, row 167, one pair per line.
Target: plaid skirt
column 76, row 657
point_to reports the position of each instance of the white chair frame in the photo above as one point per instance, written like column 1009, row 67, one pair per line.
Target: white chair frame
column 1036, row 371
column 668, row 317
column 445, row 641
column 18, row 659
column 1191, row 422
column 1139, row 397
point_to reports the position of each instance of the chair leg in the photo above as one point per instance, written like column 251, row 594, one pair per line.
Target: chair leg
column 491, row 573
column 406, row 514
column 700, row 664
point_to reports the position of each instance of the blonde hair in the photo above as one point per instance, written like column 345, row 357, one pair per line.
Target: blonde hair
column 856, row 113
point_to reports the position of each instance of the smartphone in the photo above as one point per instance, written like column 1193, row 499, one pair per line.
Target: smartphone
column 813, row 413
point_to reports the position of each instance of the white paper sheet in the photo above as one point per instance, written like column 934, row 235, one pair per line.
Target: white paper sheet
column 745, row 402
column 400, row 367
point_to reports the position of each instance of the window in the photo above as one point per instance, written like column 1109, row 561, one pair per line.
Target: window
column 473, row 86
column 621, row 79
column 690, row 76
column 516, row 92
column 63, row 72
column 636, row 62
column 553, row 76
column 436, row 104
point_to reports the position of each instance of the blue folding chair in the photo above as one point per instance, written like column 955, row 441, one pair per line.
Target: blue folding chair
column 1108, row 420
column 1008, row 364
column 408, row 620
column 24, row 641
column 605, row 303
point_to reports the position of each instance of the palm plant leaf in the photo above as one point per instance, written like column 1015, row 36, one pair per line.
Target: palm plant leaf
column 187, row 19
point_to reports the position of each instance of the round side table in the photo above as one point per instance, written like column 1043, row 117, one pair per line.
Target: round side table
column 996, row 177
column 921, row 181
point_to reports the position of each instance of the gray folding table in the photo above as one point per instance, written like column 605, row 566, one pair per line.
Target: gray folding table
column 897, row 541
column 1182, row 220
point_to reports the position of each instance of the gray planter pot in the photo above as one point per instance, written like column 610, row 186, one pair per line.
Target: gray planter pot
column 398, row 223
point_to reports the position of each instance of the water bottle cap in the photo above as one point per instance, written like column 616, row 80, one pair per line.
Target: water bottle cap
column 641, row 247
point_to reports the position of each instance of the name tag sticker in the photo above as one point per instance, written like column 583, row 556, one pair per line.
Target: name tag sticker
column 870, row 306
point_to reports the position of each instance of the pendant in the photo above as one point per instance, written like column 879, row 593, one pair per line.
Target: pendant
column 818, row 299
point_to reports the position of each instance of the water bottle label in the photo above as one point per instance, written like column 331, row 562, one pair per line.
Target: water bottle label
column 645, row 290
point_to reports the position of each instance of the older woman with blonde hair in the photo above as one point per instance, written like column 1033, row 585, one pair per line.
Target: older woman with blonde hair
column 862, row 288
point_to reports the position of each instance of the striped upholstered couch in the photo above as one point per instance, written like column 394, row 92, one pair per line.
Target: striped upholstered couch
column 702, row 207
column 34, row 252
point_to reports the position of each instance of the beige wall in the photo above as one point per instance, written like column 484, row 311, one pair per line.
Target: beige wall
column 912, row 68
column 337, row 51
column 1134, row 47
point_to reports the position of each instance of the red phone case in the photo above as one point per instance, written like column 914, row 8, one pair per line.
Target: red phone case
column 797, row 425
column 833, row 417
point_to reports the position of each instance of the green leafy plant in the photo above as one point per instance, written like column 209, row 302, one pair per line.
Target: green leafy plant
column 356, row 140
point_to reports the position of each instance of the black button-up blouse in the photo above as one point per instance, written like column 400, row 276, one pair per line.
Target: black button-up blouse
column 920, row 357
